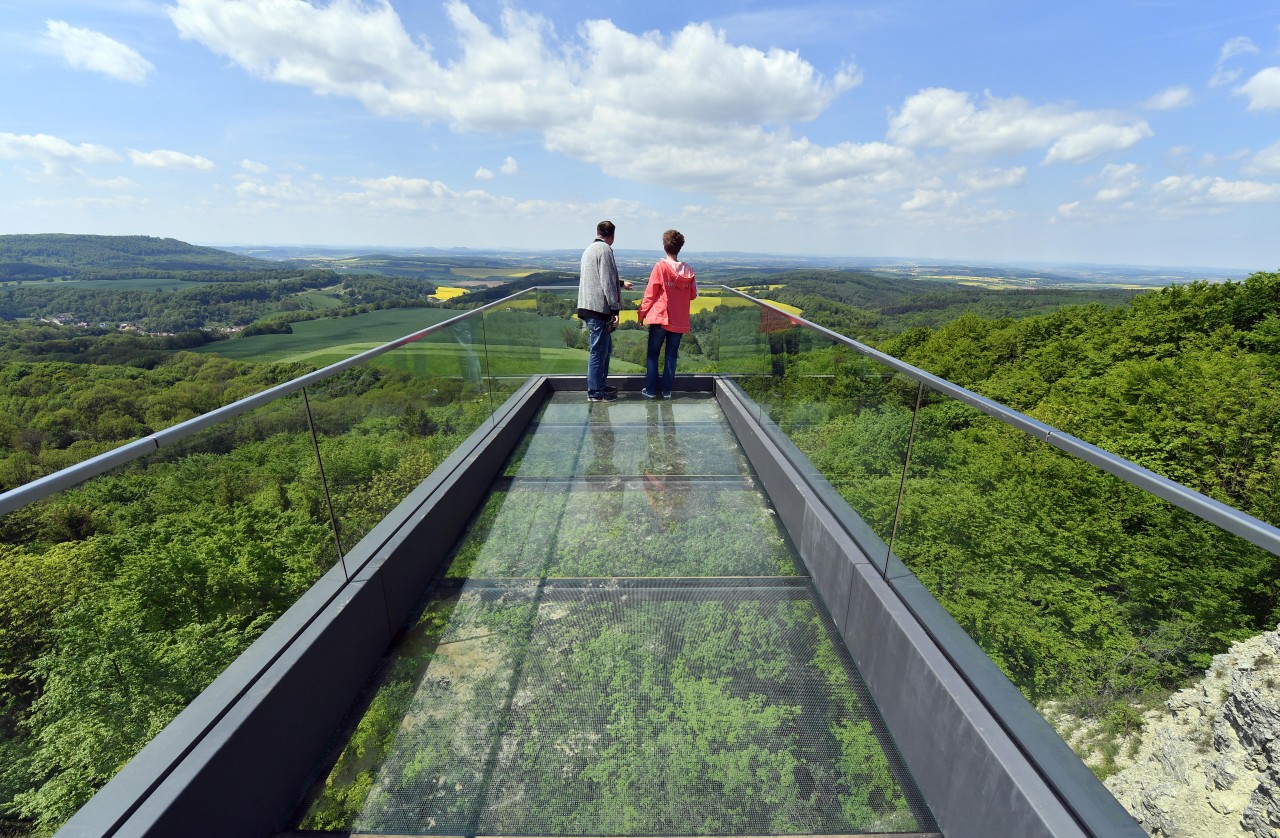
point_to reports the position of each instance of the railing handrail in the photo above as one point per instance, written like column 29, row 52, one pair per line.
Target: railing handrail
column 1216, row 512
column 1229, row 518
column 42, row 487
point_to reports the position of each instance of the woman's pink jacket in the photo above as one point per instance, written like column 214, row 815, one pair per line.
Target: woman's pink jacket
column 666, row 298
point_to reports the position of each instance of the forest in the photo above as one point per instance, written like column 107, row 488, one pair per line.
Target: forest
column 121, row 599
column 65, row 255
column 1085, row 591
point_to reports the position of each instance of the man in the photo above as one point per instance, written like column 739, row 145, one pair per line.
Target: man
column 599, row 301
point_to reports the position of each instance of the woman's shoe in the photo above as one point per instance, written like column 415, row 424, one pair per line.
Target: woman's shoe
column 648, row 395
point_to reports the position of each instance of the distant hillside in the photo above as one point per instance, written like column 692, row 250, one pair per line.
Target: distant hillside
column 864, row 305
column 32, row 257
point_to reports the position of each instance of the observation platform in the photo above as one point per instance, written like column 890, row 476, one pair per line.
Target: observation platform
column 624, row 642
column 551, row 617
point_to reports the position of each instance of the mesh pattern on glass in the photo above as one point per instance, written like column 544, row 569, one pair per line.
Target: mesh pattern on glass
column 631, row 652
column 640, row 709
column 635, row 526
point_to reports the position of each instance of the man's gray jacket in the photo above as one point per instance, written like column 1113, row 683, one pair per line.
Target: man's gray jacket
column 598, row 293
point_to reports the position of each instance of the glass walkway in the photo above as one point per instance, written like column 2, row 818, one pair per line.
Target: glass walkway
column 624, row 643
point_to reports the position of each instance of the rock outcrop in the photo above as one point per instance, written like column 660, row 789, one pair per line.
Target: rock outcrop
column 1209, row 760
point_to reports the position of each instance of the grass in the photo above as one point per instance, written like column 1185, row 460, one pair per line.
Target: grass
column 371, row 329
column 485, row 273
column 532, row 344
column 321, row 298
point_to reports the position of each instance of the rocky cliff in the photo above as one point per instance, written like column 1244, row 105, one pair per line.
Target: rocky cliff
column 1208, row 765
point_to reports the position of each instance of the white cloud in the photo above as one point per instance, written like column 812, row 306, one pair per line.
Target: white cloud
column 47, row 147
column 1233, row 48
column 1095, row 141
column 57, row 157
column 931, row 200
column 995, row 179
column 1066, row 211
column 1236, row 47
column 943, row 118
column 687, row 110
column 1119, row 182
column 1184, row 192
column 484, row 174
column 85, row 49
column 510, row 166
column 254, row 167
column 1243, row 191
column 1265, row 162
column 1169, row 99
column 1263, row 89
column 166, row 159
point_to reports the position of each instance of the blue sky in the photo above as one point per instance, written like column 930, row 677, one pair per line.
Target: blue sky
column 1116, row 132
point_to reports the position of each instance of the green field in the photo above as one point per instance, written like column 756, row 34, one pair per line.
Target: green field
column 530, row 344
column 450, row 359
column 374, row 329
column 322, row 298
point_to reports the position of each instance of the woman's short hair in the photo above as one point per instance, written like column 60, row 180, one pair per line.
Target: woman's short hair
column 672, row 241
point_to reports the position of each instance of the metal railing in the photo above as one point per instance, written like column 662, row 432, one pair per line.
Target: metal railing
column 1229, row 518
column 1220, row 514
column 74, row 475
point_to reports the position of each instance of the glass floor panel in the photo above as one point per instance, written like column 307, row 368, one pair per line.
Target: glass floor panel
column 622, row 654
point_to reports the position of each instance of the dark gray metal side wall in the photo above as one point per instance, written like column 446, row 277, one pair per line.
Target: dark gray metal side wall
column 979, row 781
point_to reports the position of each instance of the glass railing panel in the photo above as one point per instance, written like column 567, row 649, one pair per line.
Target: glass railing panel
column 383, row 426
column 733, row 333
column 124, row 597
column 538, row 333
column 1095, row 597
column 851, row 419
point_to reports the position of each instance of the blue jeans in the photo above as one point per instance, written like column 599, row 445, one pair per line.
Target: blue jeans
column 599, row 345
column 659, row 337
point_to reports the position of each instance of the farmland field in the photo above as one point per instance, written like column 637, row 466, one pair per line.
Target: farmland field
column 374, row 329
column 530, row 343
column 486, row 273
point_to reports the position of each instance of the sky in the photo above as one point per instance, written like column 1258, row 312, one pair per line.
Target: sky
column 1143, row 132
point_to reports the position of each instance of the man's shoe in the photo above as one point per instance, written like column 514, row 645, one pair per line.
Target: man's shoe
column 609, row 389
column 648, row 395
column 603, row 397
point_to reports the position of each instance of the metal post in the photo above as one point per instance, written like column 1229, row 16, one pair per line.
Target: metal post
column 902, row 485
column 324, row 483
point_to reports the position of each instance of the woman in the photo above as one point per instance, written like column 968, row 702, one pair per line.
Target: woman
column 665, row 310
